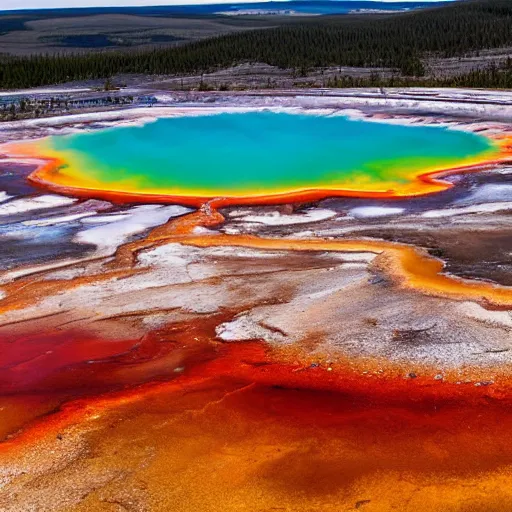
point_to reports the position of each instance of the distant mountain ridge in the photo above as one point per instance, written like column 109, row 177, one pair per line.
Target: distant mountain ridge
column 302, row 6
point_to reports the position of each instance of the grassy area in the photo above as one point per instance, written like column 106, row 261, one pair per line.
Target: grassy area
column 37, row 33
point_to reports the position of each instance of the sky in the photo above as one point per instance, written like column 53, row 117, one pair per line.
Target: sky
column 43, row 4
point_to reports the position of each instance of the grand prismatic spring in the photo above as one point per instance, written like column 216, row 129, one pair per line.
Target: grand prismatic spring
column 223, row 309
column 257, row 154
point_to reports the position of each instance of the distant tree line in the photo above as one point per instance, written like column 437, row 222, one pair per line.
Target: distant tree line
column 13, row 108
column 492, row 77
column 29, row 107
column 400, row 42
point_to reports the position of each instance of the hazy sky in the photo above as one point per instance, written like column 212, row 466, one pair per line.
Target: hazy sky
column 39, row 4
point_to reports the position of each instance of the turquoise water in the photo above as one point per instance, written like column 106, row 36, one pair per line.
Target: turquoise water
column 259, row 153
